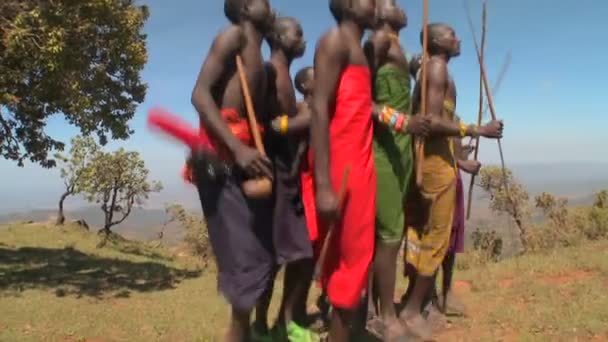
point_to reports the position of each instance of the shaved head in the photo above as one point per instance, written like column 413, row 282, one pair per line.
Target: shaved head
column 435, row 31
column 302, row 77
column 232, row 9
column 442, row 40
column 337, row 8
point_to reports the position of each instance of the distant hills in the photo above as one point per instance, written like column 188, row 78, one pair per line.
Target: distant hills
column 142, row 224
column 575, row 181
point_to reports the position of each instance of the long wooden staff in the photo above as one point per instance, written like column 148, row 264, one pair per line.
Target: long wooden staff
column 423, row 94
column 253, row 123
column 480, row 114
column 256, row 187
column 325, row 246
column 488, row 92
column 503, row 72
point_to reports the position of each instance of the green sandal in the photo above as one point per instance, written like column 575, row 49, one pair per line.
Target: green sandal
column 296, row 333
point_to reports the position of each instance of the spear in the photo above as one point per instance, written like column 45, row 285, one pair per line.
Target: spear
column 423, row 95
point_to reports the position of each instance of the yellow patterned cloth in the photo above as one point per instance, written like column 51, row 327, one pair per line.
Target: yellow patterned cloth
column 431, row 208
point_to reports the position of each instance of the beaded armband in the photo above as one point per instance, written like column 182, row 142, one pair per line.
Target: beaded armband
column 284, row 124
column 394, row 119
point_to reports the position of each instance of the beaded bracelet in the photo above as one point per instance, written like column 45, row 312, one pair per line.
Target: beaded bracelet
column 284, row 124
column 399, row 123
column 463, row 129
column 394, row 119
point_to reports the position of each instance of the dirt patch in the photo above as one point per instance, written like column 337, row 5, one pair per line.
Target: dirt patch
column 508, row 335
column 521, row 304
column 506, row 283
column 462, row 286
column 568, row 278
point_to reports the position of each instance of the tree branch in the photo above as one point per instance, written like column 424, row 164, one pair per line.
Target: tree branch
column 130, row 203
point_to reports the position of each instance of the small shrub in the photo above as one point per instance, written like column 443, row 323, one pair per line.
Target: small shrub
column 197, row 238
column 487, row 248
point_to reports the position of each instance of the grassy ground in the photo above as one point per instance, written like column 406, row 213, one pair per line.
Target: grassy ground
column 55, row 285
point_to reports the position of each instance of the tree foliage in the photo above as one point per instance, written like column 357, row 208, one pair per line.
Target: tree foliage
column 554, row 208
column 512, row 200
column 76, row 168
column 118, row 182
column 601, row 200
column 79, row 58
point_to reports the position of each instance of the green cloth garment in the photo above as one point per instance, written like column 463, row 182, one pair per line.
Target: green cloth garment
column 393, row 155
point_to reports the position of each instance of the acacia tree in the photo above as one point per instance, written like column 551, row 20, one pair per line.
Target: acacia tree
column 513, row 202
column 75, row 169
column 81, row 59
column 118, row 182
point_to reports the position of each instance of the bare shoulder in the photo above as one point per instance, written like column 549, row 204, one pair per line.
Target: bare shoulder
column 437, row 70
column 230, row 39
column 332, row 42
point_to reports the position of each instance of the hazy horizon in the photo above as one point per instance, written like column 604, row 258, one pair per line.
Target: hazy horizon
column 568, row 179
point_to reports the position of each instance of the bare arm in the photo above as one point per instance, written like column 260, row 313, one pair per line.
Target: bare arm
column 438, row 82
column 437, row 86
column 330, row 58
column 223, row 50
column 301, row 122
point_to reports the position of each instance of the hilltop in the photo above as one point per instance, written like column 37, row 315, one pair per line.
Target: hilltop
column 56, row 285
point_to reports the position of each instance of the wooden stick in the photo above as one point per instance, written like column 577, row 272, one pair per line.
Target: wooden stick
column 503, row 72
column 480, row 114
column 253, row 123
column 423, row 95
column 325, row 246
column 490, row 103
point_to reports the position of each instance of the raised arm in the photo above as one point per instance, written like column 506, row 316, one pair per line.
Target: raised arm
column 330, row 58
column 222, row 53
column 437, row 87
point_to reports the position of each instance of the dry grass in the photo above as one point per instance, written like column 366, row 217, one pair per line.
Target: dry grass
column 56, row 286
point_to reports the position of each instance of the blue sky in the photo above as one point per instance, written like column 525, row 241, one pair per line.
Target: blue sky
column 553, row 98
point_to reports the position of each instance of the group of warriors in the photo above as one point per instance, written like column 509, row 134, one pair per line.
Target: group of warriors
column 359, row 112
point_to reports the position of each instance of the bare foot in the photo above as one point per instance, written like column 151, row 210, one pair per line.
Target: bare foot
column 394, row 331
column 436, row 319
column 453, row 306
column 418, row 326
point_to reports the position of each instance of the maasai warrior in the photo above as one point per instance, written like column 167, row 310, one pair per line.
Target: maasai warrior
column 392, row 152
column 304, row 83
column 240, row 228
column 429, row 230
column 341, row 138
column 447, row 302
column 292, row 243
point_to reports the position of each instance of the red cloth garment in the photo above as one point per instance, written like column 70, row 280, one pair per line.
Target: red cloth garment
column 351, row 249
column 238, row 125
